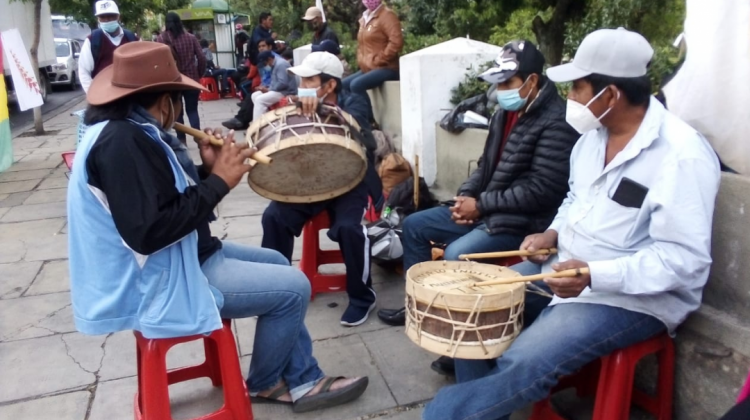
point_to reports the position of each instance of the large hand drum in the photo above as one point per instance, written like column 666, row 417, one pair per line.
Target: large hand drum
column 447, row 316
column 313, row 159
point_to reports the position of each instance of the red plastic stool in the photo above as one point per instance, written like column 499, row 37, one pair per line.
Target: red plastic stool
column 313, row 257
column 232, row 89
column 222, row 366
column 213, row 89
column 615, row 391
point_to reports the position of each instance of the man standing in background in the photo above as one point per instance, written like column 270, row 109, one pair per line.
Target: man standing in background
column 321, row 31
column 262, row 31
column 99, row 47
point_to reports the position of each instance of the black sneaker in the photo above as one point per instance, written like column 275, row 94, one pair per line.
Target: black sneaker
column 356, row 315
column 234, row 124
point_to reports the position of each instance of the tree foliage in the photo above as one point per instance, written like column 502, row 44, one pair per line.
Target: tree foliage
column 134, row 14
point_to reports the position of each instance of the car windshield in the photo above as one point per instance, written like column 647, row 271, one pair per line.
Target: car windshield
column 62, row 49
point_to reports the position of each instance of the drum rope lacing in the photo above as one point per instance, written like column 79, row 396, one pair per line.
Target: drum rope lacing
column 417, row 316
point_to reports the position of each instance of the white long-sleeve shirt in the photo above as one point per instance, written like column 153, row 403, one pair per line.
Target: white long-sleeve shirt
column 86, row 59
column 655, row 258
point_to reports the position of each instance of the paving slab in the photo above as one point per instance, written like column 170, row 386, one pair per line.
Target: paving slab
column 36, row 229
column 11, row 250
column 14, row 199
column 48, row 196
column 70, row 406
column 242, row 204
column 244, row 331
column 44, row 366
column 242, row 227
column 59, row 181
column 324, row 321
column 18, row 186
column 54, row 247
column 39, row 157
column 346, row 356
column 35, row 175
column 53, row 278
column 404, row 365
column 120, row 356
column 29, row 212
column 114, row 400
column 406, row 414
column 35, row 316
column 3, row 210
column 32, row 165
column 17, row 277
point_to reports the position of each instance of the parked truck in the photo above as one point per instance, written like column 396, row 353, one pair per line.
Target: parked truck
column 20, row 15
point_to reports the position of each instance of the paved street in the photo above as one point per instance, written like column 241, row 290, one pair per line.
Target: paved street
column 49, row 371
column 58, row 100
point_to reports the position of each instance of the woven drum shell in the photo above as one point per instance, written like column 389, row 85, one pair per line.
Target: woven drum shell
column 447, row 317
column 313, row 160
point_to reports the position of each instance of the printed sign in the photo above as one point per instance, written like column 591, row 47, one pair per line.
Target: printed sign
column 6, row 145
column 26, row 86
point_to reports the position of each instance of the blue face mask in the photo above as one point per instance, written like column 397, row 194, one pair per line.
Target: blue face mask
column 307, row 92
column 511, row 100
column 109, row 27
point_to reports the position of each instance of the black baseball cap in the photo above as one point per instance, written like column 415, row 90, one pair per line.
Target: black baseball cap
column 328, row 46
column 517, row 56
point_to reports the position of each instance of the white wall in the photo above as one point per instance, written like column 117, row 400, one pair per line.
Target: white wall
column 427, row 77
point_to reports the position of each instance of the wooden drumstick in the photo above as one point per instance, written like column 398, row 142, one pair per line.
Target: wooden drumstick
column 574, row 272
column 506, row 254
column 258, row 157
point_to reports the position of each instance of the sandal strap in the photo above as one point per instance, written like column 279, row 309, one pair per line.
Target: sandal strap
column 278, row 392
column 328, row 382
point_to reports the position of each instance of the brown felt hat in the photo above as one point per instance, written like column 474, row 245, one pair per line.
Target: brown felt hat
column 138, row 67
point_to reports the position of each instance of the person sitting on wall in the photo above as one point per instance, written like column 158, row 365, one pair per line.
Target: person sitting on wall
column 519, row 182
column 379, row 43
column 321, row 30
column 282, row 83
column 638, row 218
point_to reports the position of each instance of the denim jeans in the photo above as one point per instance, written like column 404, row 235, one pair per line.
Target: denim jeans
column 436, row 225
column 190, row 98
column 362, row 82
column 224, row 74
column 563, row 339
column 260, row 282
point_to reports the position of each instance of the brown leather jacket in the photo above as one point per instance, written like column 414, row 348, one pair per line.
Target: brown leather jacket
column 379, row 41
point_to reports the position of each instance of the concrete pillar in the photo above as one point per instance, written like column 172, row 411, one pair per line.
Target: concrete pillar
column 427, row 77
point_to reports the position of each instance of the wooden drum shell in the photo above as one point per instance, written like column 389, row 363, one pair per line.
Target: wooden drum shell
column 313, row 160
column 449, row 319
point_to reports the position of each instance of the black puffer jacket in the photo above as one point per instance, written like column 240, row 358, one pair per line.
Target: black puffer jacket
column 521, row 195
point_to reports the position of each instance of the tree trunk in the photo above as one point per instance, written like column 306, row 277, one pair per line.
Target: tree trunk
column 550, row 35
column 38, row 122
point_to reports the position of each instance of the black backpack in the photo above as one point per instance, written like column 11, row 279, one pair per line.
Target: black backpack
column 402, row 197
column 96, row 40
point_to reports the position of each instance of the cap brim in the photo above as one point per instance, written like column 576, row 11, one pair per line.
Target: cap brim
column 566, row 73
column 496, row 75
column 308, row 18
column 304, row 71
column 102, row 91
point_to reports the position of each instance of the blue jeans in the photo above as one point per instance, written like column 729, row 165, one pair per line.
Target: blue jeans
column 190, row 98
column 362, row 82
column 224, row 74
column 563, row 339
column 260, row 282
column 436, row 225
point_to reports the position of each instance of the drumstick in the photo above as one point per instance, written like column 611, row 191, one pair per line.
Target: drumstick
column 506, row 254
column 574, row 272
column 416, row 182
column 258, row 157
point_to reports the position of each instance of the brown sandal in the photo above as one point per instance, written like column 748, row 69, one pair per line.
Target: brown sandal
column 327, row 398
column 273, row 398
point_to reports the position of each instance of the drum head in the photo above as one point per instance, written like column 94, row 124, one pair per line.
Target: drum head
column 306, row 173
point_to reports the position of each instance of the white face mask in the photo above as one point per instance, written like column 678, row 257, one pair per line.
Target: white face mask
column 581, row 118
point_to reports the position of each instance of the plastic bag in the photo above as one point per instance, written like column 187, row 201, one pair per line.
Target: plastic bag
column 453, row 122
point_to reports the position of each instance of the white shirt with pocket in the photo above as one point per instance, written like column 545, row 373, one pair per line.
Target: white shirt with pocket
column 643, row 222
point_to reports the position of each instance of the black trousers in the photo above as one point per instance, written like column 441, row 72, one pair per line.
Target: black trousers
column 245, row 114
column 740, row 411
column 283, row 221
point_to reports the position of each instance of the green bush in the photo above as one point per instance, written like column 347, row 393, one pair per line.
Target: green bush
column 471, row 86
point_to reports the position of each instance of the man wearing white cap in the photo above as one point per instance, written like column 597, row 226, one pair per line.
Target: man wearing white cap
column 100, row 46
column 320, row 82
column 321, row 30
column 636, row 223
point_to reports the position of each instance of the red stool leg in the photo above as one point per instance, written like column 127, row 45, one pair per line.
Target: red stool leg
column 212, row 361
column 308, row 263
column 155, row 393
column 236, row 398
column 665, row 385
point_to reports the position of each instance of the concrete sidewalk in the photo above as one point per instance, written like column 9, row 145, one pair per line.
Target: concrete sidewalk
column 49, row 371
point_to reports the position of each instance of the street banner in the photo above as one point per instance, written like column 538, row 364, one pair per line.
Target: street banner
column 24, row 78
column 6, row 144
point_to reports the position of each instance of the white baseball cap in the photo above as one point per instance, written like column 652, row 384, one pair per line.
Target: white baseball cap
column 609, row 52
column 312, row 13
column 319, row 63
column 106, row 7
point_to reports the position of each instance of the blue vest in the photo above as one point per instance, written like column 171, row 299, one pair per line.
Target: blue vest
column 114, row 288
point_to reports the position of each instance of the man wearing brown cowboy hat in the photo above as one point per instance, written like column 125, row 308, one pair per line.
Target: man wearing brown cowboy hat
column 141, row 253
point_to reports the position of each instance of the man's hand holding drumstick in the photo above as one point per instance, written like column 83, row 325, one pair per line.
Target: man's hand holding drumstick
column 564, row 287
column 227, row 161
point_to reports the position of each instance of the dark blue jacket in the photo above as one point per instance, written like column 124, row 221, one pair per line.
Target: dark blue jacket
column 258, row 33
